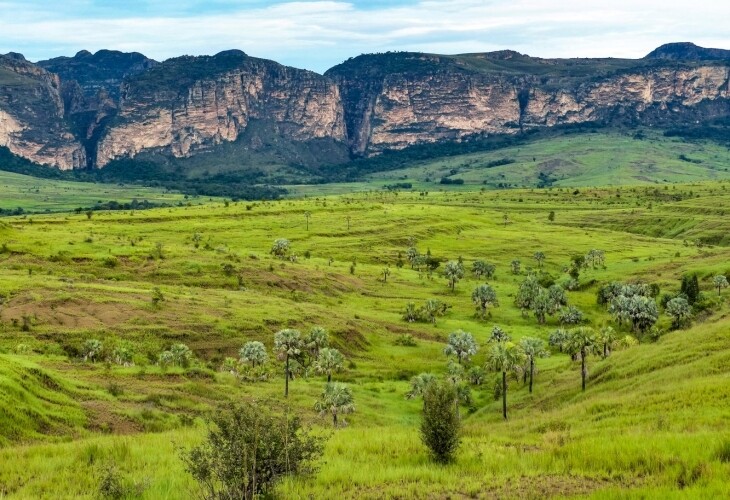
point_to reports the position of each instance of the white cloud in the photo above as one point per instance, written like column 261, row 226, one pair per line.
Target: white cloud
column 319, row 34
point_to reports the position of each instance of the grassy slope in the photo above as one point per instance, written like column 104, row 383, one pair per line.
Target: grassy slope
column 600, row 159
column 557, row 441
column 37, row 195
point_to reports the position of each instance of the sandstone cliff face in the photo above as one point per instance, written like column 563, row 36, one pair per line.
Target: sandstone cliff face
column 450, row 98
column 215, row 102
column 31, row 116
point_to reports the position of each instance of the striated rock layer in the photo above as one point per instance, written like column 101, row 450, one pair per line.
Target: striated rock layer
column 31, row 116
column 396, row 100
column 187, row 105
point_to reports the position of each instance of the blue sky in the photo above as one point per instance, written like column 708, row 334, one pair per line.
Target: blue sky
column 319, row 34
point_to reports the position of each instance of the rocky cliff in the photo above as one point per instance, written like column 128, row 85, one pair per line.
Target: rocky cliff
column 396, row 100
column 32, row 115
column 191, row 104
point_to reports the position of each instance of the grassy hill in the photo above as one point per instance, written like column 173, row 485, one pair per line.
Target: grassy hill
column 652, row 423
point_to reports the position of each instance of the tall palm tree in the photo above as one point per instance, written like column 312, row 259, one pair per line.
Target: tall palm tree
column 288, row 344
column 336, row 399
column 533, row 348
column 329, row 361
column 582, row 341
column 505, row 357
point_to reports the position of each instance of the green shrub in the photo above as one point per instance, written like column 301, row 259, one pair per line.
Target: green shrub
column 441, row 425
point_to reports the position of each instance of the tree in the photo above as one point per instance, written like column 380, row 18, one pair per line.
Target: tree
column 571, row 315
column 462, row 345
column 551, row 216
column 336, row 399
column 92, row 349
column 386, row 273
column 527, row 293
column 411, row 314
column 581, row 341
column 558, row 296
column 419, row 383
column 543, row 305
column 638, row 310
column 329, row 361
column 690, row 288
column 181, row 355
column 307, row 215
column 441, row 424
column 247, row 450
column 507, row 358
column 433, row 308
column 484, row 296
column 540, row 258
column 253, row 352
column 515, row 266
column 606, row 339
column 412, row 255
column 680, row 311
column 719, row 282
column 316, row 340
column 280, row 248
column 123, row 355
column 482, row 269
column 499, row 335
column 558, row 339
column 288, row 344
column 533, row 348
column 453, row 271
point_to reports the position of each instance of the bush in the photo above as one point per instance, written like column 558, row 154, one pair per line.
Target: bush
column 440, row 427
column 247, row 450
column 406, row 340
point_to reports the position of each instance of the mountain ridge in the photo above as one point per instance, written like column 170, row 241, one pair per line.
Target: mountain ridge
column 111, row 105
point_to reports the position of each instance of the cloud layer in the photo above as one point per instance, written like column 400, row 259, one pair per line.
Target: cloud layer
column 318, row 34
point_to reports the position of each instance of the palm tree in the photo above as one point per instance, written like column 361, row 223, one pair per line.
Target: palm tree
column 329, row 361
column 288, row 344
column 336, row 399
column 505, row 357
column 484, row 296
column 607, row 338
column 720, row 282
column 540, row 258
column 419, row 384
column 582, row 341
column 316, row 340
column 453, row 271
column 253, row 352
column 533, row 348
column 462, row 345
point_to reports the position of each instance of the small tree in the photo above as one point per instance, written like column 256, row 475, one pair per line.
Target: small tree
column 386, row 273
column 253, row 352
column 533, row 348
column 247, row 450
column 412, row 256
column 329, row 361
column 499, row 335
column 482, row 269
column 690, row 288
column 540, row 258
column 280, row 248
column 181, row 355
column 680, row 311
column 462, row 345
column 433, row 308
column 336, row 399
column 606, row 339
column 316, row 340
column 288, row 344
column 505, row 358
column 484, row 296
column 581, row 342
column 92, row 349
column 441, row 424
column 307, row 215
column 571, row 315
column 638, row 310
column 453, row 271
column 551, row 216
column 515, row 266
column 419, row 383
column 719, row 282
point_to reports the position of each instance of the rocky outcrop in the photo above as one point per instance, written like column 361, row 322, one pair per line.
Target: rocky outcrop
column 686, row 51
column 32, row 116
column 192, row 104
column 396, row 100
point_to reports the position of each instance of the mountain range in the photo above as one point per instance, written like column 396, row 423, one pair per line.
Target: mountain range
column 91, row 110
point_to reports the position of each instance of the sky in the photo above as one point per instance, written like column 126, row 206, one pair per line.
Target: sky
column 317, row 35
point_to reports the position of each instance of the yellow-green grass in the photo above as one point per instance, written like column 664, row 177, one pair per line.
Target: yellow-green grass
column 648, row 425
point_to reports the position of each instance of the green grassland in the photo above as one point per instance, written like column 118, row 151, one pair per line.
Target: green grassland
column 600, row 159
column 649, row 425
column 33, row 194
